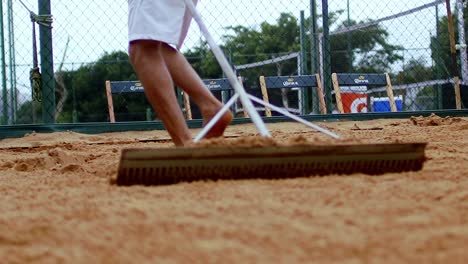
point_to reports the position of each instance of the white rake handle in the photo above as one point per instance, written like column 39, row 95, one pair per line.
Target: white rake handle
column 298, row 119
column 215, row 118
column 223, row 62
column 273, row 107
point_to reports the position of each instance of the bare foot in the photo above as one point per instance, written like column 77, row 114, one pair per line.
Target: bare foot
column 218, row 129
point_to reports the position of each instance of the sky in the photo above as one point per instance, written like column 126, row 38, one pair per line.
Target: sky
column 96, row 27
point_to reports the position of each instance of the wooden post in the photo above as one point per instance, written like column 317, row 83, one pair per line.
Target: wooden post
column 336, row 87
column 265, row 96
column 188, row 109
column 391, row 98
column 110, row 104
column 321, row 96
column 458, row 99
column 453, row 53
column 246, row 114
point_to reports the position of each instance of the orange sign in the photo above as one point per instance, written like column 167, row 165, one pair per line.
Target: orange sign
column 354, row 102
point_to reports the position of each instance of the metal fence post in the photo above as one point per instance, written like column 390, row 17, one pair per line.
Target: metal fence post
column 438, row 61
column 12, row 61
column 47, row 66
column 4, row 118
column 314, row 52
column 327, row 57
column 306, row 93
column 462, row 41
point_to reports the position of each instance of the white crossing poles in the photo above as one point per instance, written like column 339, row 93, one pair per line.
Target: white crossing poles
column 244, row 97
column 223, row 62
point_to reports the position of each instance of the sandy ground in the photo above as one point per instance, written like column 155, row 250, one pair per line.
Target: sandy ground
column 57, row 205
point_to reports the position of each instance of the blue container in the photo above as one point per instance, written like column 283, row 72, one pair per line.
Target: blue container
column 383, row 104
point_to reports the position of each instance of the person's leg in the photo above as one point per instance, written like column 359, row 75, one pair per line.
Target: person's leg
column 186, row 78
column 149, row 64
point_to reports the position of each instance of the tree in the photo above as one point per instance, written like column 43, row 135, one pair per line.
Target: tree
column 440, row 44
column 414, row 71
column 269, row 41
column 203, row 61
column 88, row 86
column 29, row 112
column 367, row 49
column 247, row 45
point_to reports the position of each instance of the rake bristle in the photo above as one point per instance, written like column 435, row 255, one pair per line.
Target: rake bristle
column 169, row 166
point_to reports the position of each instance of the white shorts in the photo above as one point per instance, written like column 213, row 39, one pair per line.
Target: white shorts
column 162, row 20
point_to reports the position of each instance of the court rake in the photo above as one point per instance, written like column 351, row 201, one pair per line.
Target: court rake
column 187, row 164
column 174, row 165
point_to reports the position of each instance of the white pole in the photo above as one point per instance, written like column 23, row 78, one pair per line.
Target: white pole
column 300, row 92
column 462, row 42
column 296, row 118
column 248, row 105
column 320, row 44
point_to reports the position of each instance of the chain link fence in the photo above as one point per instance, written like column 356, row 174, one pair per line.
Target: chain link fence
column 387, row 55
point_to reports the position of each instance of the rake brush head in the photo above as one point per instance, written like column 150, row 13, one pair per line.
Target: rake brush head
column 174, row 165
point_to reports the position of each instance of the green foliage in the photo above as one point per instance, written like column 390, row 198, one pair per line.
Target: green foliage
column 375, row 53
column 203, row 61
column 414, row 71
column 440, row 43
column 247, row 45
column 87, row 90
column 25, row 113
column 269, row 41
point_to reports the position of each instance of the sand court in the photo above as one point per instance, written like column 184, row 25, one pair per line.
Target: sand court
column 58, row 204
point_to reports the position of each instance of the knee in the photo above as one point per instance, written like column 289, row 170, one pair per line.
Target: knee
column 142, row 49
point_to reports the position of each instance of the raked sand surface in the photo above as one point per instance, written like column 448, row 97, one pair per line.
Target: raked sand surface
column 58, row 206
